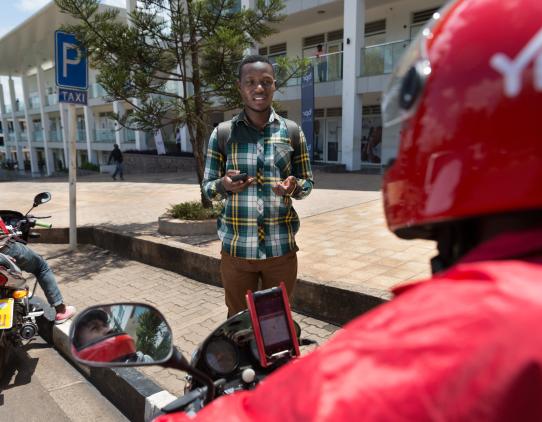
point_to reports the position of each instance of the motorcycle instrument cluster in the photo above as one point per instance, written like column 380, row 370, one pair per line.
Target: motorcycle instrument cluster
column 221, row 356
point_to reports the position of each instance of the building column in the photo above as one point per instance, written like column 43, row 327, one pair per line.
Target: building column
column 89, row 133
column 16, row 126
column 120, row 138
column 64, row 130
column 29, row 127
column 354, row 38
column 4, row 119
column 45, row 127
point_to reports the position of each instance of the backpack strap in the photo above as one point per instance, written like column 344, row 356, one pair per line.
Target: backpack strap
column 223, row 135
column 293, row 133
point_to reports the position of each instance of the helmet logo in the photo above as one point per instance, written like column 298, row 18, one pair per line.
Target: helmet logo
column 511, row 69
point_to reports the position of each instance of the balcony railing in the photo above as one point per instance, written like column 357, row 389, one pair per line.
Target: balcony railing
column 8, row 108
column 54, row 136
column 104, row 135
column 11, row 136
column 327, row 68
column 81, row 135
column 52, row 99
column 381, row 59
column 38, row 135
column 24, row 136
column 97, row 91
column 34, row 101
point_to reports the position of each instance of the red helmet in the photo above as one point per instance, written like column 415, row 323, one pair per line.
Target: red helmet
column 114, row 348
column 468, row 97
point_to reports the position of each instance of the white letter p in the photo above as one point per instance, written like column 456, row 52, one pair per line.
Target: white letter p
column 66, row 61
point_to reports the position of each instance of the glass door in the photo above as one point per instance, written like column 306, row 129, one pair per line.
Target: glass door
column 333, row 138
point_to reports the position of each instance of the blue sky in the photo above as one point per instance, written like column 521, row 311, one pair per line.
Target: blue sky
column 13, row 13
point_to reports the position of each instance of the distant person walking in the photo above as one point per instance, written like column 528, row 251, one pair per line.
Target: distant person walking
column 116, row 156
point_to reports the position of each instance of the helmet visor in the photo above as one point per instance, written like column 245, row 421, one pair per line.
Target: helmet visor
column 400, row 99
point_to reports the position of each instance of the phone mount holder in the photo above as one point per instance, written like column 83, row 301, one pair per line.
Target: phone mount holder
column 276, row 337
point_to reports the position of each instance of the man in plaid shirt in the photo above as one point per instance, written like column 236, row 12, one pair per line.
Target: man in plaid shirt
column 258, row 224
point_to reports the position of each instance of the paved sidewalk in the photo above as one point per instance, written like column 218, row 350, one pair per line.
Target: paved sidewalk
column 343, row 237
column 93, row 276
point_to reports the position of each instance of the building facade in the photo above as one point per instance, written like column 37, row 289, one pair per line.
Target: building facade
column 353, row 45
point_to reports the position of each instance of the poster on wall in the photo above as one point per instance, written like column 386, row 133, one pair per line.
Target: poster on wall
column 307, row 109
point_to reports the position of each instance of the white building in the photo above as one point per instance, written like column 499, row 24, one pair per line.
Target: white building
column 362, row 41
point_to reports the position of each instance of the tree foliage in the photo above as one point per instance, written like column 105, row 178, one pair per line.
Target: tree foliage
column 174, row 61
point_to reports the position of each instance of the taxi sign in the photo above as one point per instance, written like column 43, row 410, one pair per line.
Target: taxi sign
column 6, row 314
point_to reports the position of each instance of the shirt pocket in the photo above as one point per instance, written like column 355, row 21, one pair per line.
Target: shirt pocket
column 282, row 157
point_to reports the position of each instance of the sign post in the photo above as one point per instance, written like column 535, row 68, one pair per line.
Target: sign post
column 307, row 109
column 71, row 68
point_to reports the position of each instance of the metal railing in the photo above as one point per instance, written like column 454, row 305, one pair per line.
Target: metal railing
column 51, row 99
column 327, row 68
column 81, row 135
column 54, row 136
column 381, row 59
column 104, row 135
column 97, row 91
column 34, row 101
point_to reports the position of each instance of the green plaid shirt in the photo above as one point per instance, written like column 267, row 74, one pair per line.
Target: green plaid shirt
column 256, row 223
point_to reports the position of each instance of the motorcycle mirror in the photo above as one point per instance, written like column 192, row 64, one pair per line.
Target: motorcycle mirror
column 121, row 334
column 42, row 198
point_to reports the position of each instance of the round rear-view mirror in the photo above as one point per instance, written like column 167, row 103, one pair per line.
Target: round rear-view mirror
column 42, row 198
column 121, row 334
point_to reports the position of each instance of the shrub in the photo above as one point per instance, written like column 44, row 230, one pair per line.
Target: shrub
column 89, row 166
column 194, row 211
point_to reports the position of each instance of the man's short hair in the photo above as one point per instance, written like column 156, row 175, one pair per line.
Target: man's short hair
column 254, row 58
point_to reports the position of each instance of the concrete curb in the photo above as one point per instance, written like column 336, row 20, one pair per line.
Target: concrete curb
column 136, row 396
column 337, row 303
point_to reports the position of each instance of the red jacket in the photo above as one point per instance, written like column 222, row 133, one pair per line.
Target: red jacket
column 462, row 346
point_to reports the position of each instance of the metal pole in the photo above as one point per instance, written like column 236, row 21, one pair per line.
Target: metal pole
column 72, row 176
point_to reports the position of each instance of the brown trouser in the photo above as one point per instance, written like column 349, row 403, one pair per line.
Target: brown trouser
column 239, row 275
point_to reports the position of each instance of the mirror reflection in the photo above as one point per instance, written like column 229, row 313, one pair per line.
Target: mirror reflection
column 121, row 333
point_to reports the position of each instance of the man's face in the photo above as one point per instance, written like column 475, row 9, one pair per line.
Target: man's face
column 93, row 330
column 257, row 86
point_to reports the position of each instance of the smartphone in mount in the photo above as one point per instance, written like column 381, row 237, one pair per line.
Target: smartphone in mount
column 272, row 324
column 240, row 176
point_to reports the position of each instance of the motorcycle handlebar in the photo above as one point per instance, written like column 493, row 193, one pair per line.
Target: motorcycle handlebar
column 45, row 225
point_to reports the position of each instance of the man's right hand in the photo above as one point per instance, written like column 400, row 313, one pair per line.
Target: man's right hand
column 235, row 187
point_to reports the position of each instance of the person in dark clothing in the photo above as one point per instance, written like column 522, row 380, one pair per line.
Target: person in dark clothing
column 116, row 156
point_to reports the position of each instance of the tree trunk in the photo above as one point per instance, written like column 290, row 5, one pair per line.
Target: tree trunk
column 199, row 110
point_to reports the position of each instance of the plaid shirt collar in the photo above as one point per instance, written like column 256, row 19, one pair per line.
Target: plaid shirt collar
column 242, row 118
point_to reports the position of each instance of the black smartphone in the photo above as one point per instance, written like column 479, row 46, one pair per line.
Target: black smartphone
column 272, row 324
column 240, row 176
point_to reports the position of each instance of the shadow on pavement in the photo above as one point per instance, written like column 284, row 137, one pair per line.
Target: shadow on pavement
column 83, row 263
column 21, row 367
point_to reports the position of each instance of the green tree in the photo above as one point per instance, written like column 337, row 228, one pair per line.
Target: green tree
column 195, row 43
column 150, row 329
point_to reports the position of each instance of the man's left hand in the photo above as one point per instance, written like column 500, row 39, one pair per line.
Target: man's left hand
column 286, row 187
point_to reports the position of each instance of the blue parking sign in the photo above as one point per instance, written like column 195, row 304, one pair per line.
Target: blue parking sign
column 71, row 62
